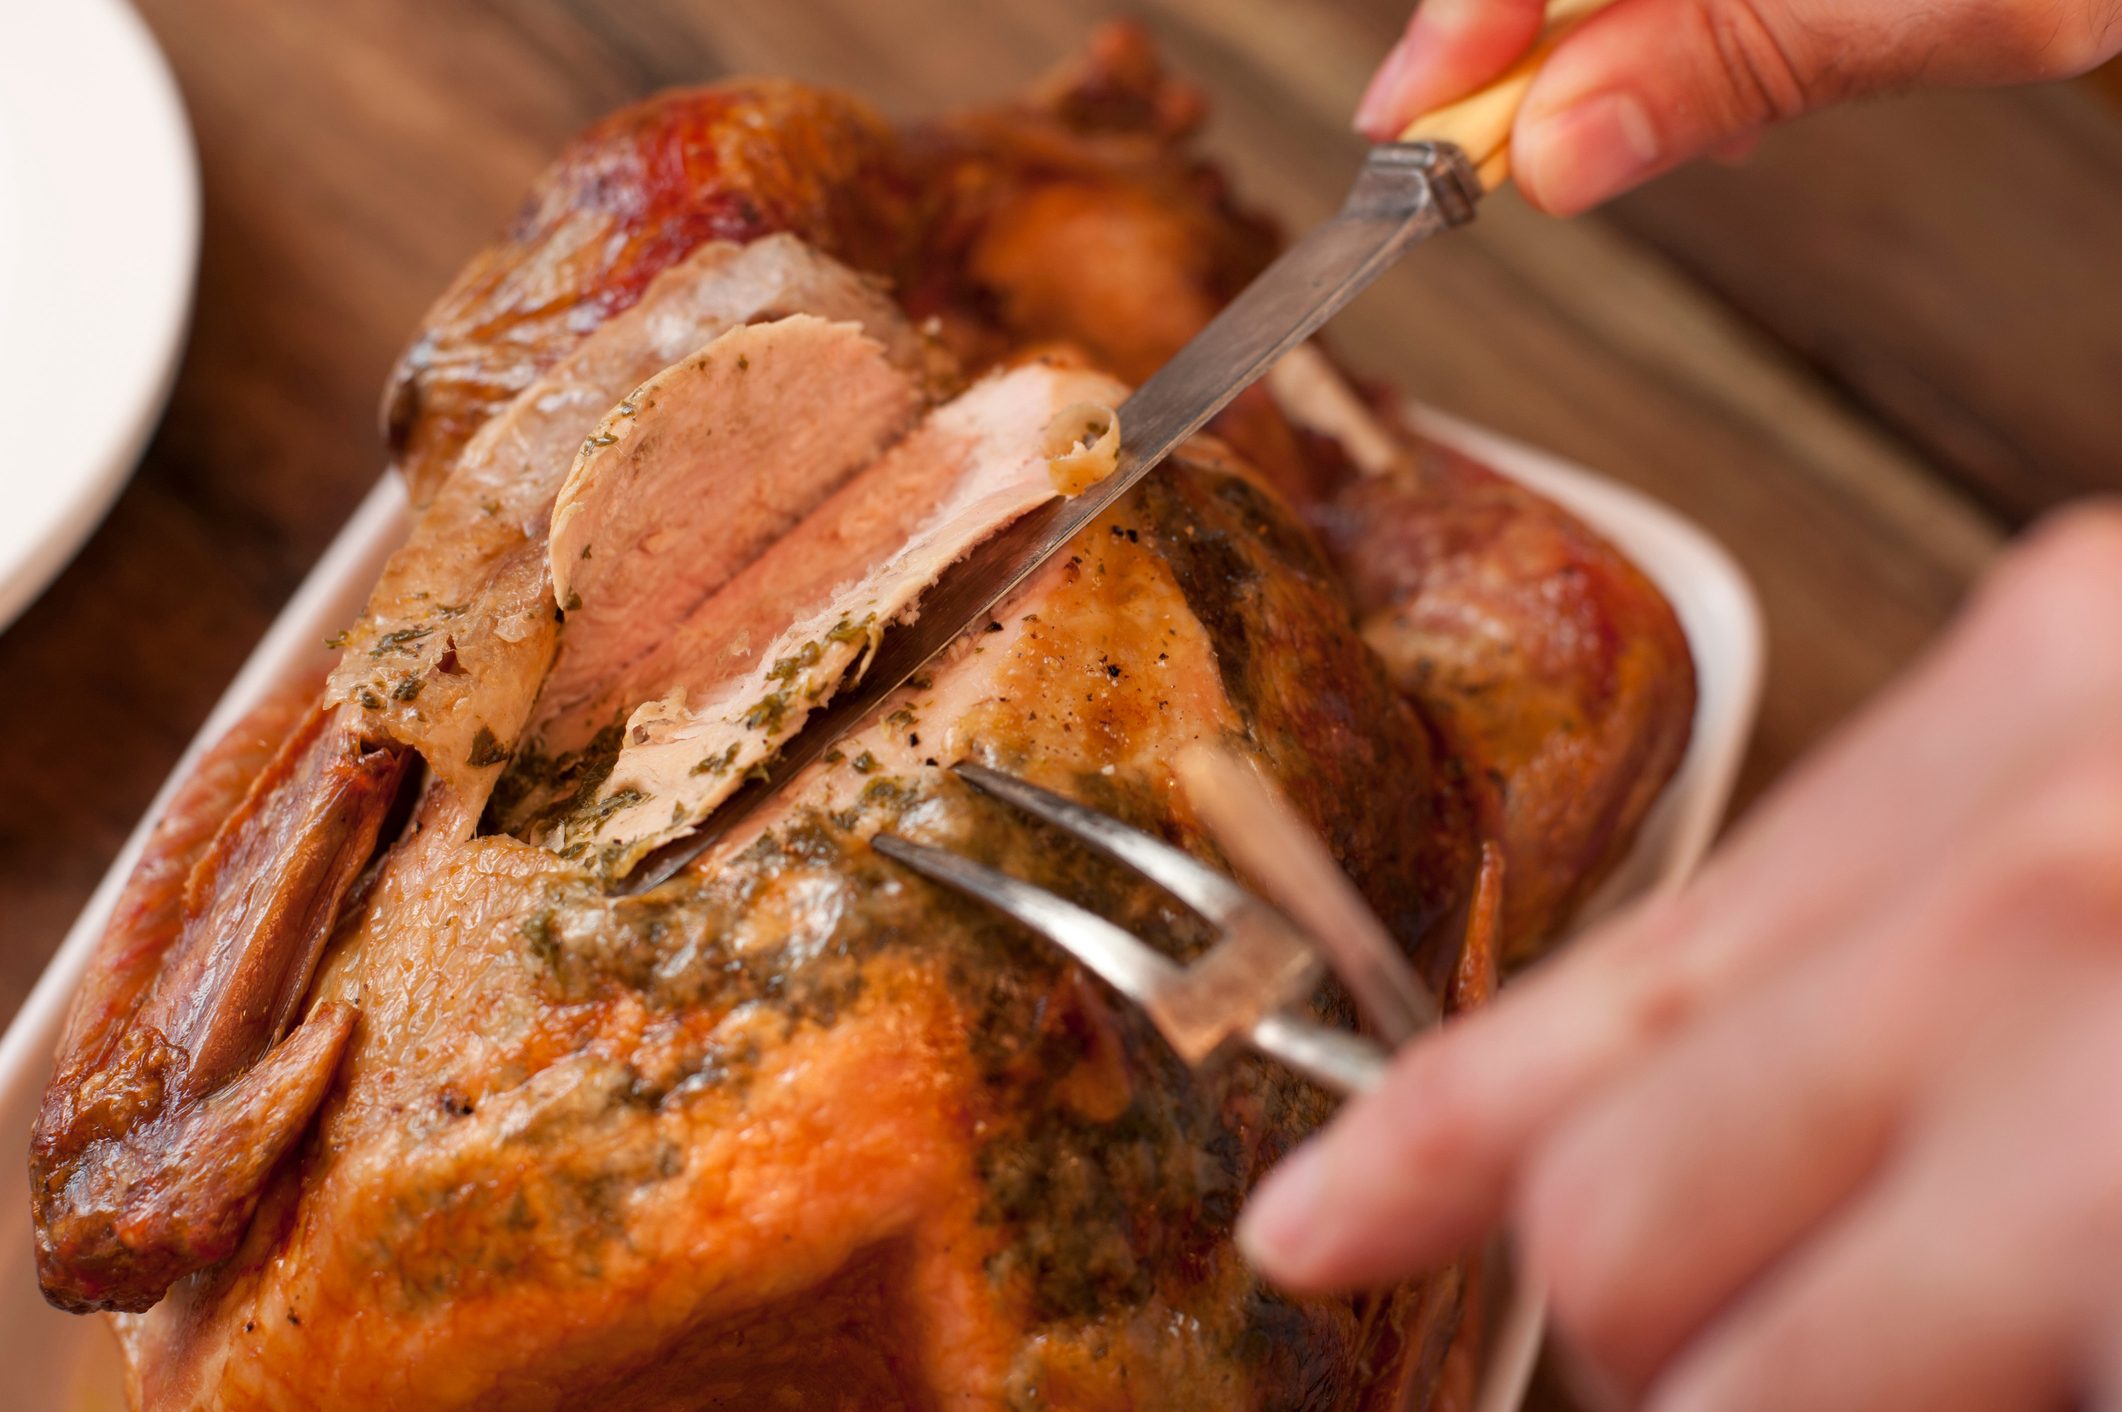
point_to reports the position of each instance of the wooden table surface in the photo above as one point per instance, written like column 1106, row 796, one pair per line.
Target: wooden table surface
column 1862, row 361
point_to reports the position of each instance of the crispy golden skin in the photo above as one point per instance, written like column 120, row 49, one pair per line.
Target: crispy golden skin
column 582, row 1144
column 628, row 199
column 171, row 1104
column 1546, row 661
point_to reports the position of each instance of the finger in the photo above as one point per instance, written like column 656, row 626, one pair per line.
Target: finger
column 1416, row 1170
column 1420, row 1167
column 1654, row 1205
column 1675, row 1187
column 1652, row 83
column 2016, row 683
column 1975, row 1275
column 1888, row 1314
column 1450, row 47
column 1736, row 151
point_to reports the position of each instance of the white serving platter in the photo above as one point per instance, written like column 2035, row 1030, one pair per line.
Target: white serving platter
column 99, row 239
column 66, row 1363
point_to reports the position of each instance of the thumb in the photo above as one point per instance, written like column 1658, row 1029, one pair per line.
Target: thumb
column 1451, row 47
column 1650, row 84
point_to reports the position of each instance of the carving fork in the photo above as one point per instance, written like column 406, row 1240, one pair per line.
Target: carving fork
column 1265, row 961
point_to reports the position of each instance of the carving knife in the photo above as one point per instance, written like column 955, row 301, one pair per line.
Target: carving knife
column 1406, row 192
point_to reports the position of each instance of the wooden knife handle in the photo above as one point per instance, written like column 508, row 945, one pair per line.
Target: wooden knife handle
column 1480, row 123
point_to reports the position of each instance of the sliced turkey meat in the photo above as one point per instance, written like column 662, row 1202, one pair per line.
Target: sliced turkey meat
column 740, row 675
column 702, row 467
column 206, row 1076
column 461, row 630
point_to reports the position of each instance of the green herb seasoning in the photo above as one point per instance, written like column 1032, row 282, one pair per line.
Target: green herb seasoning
column 612, row 803
column 849, row 631
column 539, row 932
column 716, row 764
column 768, row 714
column 786, row 668
column 400, row 640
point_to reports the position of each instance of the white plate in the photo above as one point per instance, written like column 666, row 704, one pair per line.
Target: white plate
column 59, row 1361
column 99, row 239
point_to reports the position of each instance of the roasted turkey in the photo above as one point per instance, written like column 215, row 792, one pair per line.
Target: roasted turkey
column 381, row 1094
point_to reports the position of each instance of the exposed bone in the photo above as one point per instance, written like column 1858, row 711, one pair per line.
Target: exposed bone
column 1312, row 392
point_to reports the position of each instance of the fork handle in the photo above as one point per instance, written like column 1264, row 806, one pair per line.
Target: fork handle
column 1341, row 1061
column 1480, row 123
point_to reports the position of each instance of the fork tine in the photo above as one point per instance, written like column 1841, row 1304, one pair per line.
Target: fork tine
column 1117, row 957
column 1214, row 897
column 1255, row 827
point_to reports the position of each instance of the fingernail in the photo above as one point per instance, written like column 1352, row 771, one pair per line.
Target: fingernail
column 1281, row 1232
column 1571, row 160
column 1374, row 115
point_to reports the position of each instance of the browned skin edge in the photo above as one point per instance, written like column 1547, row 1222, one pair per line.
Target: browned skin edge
column 160, row 1126
column 1552, row 668
column 1473, row 984
column 149, row 911
column 627, row 199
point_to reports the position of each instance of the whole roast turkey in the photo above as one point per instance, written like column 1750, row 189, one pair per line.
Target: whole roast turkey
column 383, row 1094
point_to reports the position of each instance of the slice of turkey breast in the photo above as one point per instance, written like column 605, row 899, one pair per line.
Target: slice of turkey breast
column 716, row 693
column 691, row 478
column 460, row 631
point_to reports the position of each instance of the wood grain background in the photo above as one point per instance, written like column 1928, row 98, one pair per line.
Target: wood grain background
column 1862, row 361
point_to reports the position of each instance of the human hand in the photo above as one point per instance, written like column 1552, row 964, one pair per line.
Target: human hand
column 1840, row 1125
column 1649, row 84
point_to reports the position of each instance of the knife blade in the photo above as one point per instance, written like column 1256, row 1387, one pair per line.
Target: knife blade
column 1405, row 193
